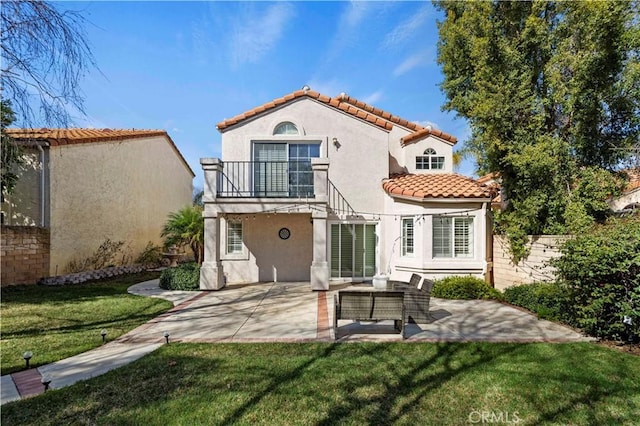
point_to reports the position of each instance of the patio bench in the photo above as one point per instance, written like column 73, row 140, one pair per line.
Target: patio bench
column 369, row 304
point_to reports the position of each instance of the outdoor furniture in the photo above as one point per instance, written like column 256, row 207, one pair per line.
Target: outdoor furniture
column 416, row 298
column 369, row 304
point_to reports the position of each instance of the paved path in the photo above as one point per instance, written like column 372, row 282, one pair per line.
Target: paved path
column 280, row 312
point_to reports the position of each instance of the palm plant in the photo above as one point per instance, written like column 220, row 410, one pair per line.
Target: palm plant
column 186, row 227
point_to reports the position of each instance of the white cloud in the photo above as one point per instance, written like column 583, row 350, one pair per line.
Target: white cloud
column 426, row 123
column 413, row 61
column 372, row 98
column 255, row 36
column 329, row 88
column 406, row 29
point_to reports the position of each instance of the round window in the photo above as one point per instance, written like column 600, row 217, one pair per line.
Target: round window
column 284, row 233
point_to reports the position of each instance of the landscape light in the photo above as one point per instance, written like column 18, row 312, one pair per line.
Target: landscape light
column 103, row 333
column 46, row 381
column 166, row 336
column 27, row 356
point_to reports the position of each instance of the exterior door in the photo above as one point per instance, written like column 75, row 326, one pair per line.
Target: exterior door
column 353, row 250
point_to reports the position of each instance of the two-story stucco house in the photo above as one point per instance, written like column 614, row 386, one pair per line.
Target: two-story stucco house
column 321, row 189
column 84, row 186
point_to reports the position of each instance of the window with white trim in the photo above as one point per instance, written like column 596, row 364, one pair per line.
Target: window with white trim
column 286, row 128
column 452, row 236
column 430, row 160
column 407, row 237
column 234, row 237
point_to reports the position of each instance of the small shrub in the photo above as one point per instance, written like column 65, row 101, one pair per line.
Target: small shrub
column 547, row 300
column 185, row 277
column 105, row 255
column 151, row 255
column 464, row 288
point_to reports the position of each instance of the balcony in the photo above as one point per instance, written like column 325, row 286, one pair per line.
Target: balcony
column 265, row 179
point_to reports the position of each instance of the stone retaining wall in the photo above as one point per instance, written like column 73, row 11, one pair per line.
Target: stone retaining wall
column 25, row 254
column 535, row 268
column 82, row 277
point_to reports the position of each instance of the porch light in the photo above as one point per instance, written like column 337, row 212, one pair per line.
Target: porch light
column 166, row 337
column 336, row 142
column 103, row 333
column 27, row 356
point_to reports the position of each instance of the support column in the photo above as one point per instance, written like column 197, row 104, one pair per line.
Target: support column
column 211, row 273
column 320, row 167
column 212, row 168
column 319, row 266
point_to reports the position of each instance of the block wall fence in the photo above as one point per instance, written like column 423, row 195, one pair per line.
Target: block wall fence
column 535, row 268
column 25, row 254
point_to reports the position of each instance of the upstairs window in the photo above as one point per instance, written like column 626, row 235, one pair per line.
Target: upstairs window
column 285, row 128
column 429, row 160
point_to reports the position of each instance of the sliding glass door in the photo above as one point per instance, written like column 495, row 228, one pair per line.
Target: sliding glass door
column 353, row 250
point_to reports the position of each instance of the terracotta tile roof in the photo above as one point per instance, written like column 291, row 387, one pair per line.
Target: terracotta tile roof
column 437, row 185
column 634, row 179
column 61, row 137
column 348, row 105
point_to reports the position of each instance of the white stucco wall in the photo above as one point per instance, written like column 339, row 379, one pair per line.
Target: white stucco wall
column 628, row 198
column 422, row 261
column 356, row 168
column 267, row 257
column 415, row 149
column 122, row 190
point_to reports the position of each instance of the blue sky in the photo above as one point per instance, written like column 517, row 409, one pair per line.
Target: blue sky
column 185, row 66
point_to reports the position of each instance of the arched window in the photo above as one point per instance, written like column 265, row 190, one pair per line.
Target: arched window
column 285, row 128
column 429, row 160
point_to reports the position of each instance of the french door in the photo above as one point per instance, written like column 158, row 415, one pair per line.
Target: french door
column 353, row 250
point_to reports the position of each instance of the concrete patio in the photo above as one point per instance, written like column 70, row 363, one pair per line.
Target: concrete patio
column 281, row 312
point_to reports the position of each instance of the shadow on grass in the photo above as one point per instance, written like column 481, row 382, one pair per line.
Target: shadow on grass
column 244, row 383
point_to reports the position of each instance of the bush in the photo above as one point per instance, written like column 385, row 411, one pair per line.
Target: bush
column 465, row 288
column 601, row 269
column 547, row 300
column 184, row 277
column 151, row 255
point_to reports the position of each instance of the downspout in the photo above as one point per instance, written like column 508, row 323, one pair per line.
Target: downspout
column 42, row 197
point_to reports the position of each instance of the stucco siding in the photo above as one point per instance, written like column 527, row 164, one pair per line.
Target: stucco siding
column 267, row 257
column 422, row 261
column 121, row 191
column 356, row 168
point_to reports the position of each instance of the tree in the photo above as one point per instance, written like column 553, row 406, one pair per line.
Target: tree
column 550, row 90
column 44, row 56
column 11, row 152
column 186, row 227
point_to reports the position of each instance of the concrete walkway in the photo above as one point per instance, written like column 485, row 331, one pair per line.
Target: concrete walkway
column 280, row 312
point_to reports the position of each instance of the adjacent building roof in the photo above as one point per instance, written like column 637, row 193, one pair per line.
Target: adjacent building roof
column 348, row 105
column 634, row 179
column 62, row 137
column 436, row 185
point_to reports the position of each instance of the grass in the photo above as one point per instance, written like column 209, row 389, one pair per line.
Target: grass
column 352, row 384
column 58, row 322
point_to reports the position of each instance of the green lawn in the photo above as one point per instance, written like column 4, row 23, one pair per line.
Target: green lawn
column 352, row 384
column 58, row 322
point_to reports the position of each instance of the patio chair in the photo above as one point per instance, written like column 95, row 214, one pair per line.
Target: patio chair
column 416, row 299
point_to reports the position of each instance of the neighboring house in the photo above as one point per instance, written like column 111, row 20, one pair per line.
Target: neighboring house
column 90, row 185
column 319, row 189
column 629, row 200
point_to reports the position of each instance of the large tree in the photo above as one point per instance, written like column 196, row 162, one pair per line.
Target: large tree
column 551, row 91
column 44, row 57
